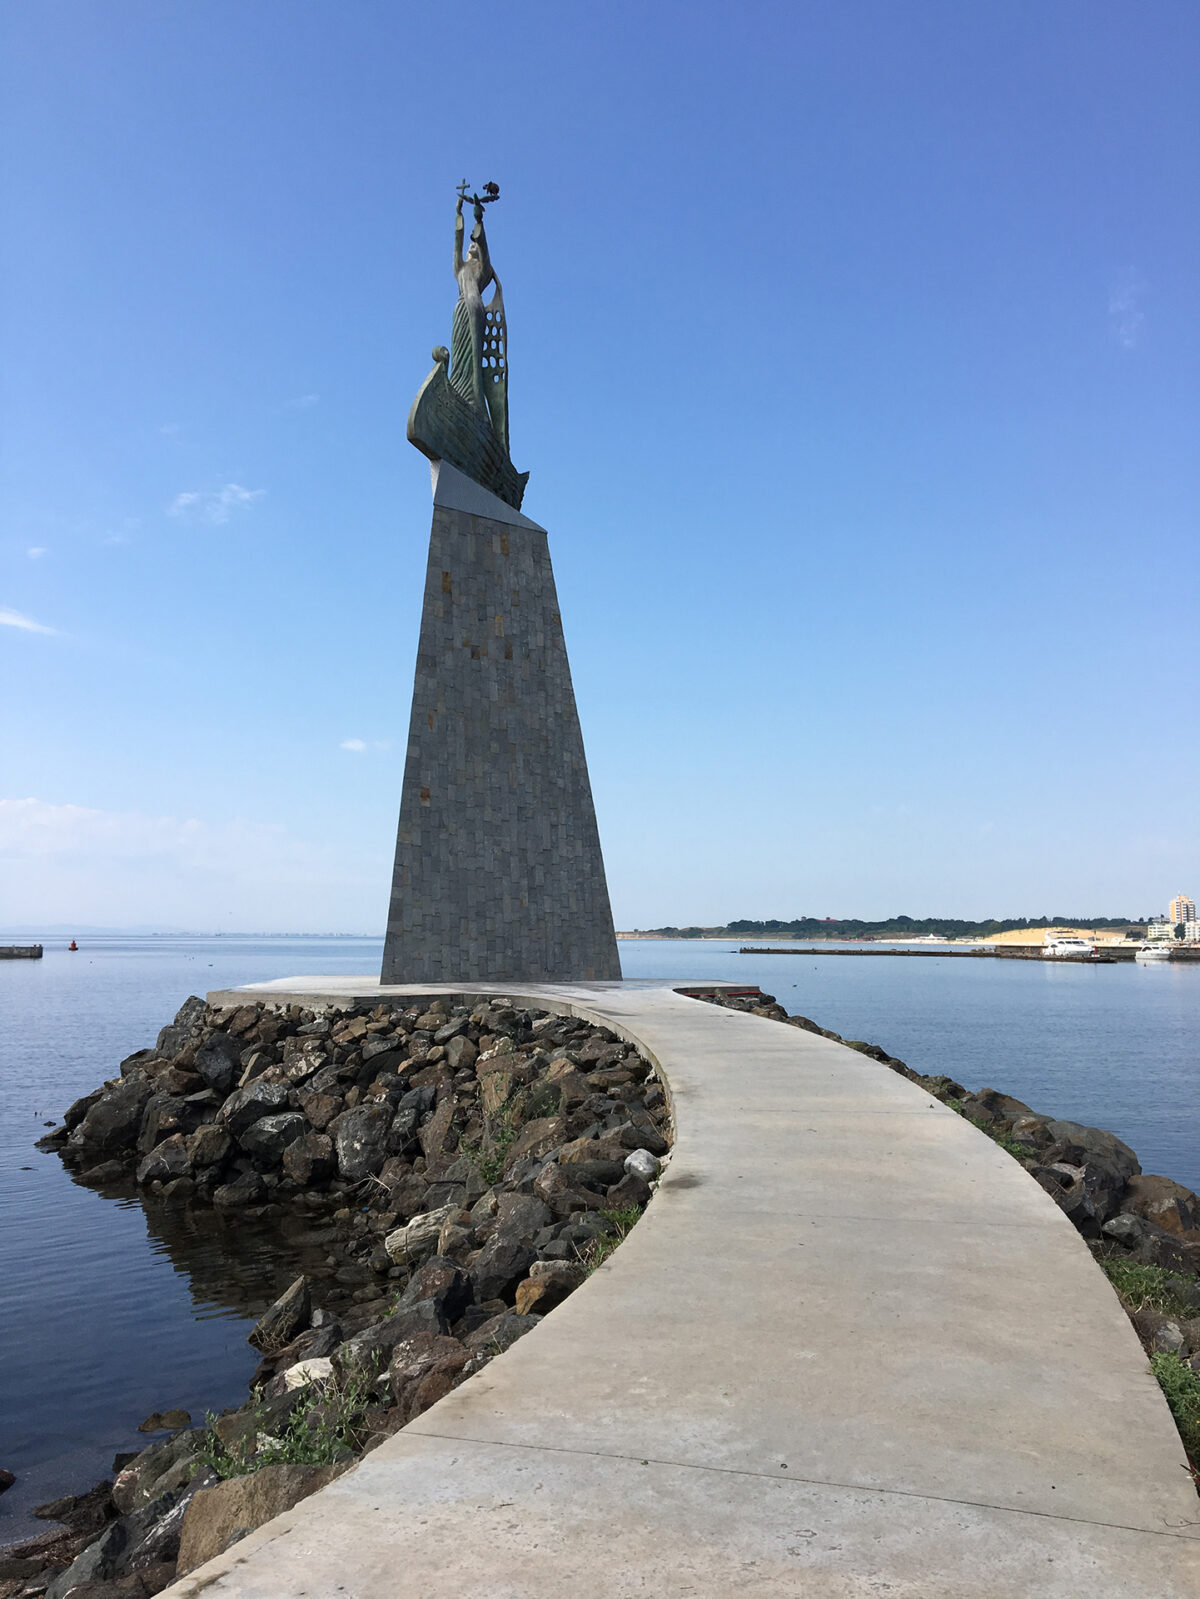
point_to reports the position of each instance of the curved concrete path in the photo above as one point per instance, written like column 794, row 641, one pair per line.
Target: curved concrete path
column 851, row 1349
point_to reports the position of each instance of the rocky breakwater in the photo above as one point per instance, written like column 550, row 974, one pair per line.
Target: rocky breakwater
column 1143, row 1230
column 472, row 1167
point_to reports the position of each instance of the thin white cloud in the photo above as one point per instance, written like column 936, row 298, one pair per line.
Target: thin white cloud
column 213, row 505
column 36, row 551
column 25, row 623
column 63, row 863
column 303, row 402
column 169, row 429
column 356, row 744
column 1125, row 314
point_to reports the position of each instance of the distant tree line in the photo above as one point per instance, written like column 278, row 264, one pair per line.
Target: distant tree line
column 900, row 926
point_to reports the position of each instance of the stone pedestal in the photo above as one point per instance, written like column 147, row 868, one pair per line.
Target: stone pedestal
column 498, row 873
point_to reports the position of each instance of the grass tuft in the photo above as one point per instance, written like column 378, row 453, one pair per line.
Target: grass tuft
column 620, row 1218
column 1146, row 1288
column 309, row 1437
column 1181, row 1389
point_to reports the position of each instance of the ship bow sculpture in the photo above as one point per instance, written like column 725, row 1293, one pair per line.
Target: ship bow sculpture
column 460, row 413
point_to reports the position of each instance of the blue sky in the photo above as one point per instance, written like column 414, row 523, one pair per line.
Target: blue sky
column 854, row 358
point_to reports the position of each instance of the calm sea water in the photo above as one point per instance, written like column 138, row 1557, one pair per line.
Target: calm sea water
column 110, row 1308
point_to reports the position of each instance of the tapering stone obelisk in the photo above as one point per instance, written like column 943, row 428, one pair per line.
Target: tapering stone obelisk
column 498, row 874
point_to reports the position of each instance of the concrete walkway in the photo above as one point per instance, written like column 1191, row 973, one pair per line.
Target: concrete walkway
column 851, row 1349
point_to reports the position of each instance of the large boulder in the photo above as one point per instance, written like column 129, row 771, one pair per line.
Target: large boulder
column 1168, row 1205
column 266, row 1139
column 247, row 1105
column 360, row 1138
column 1100, row 1146
column 188, row 1021
column 218, row 1060
column 218, row 1517
column 111, row 1125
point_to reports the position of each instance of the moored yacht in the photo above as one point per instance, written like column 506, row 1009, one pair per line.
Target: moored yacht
column 1158, row 950
column 1060, row 946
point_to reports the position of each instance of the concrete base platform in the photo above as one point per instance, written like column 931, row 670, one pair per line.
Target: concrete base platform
column 851, row 1349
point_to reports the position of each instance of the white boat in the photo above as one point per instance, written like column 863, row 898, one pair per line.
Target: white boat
column 1158, row 951
column 1060, row 947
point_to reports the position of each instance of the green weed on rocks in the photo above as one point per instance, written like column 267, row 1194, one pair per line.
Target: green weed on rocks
column 1181, row 1389
column 1147, row 1288
column 621, row 1218
column 327, row 1426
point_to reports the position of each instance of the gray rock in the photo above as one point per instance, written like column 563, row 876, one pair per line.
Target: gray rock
column 379, row 1045
column 496, row 1335
column 500, row 1265
column 1127, row 1229
column 643, row 1164
column 267, row 1139
column 80, row 1108
column 218, row 1060
column 1159, row 1334
column 191, row 1013
column 247, row 1188
column 93, row 1564
column 1098, row 1144
column 168, row 1160
column 152, row 1544
column 287, row 1317
column 170, row 1041
column 310, row 1160
column 442, row 1282
column 360, row 1139
column 249, row 1104
column 164, row 1114
column 519, row 1217
column 640, row 1135
column 150, row 1474
column 209, row 1145
column 112, row 1123
column 217, row 1517
column 461, row 1053
column 136, row 1062
column 408, row 1245
column 369, row 1351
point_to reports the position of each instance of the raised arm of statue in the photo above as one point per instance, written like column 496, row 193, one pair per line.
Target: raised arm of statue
column 479, row 238
column 458, row 237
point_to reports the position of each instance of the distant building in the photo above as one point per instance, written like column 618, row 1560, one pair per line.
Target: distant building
column 1181, row 909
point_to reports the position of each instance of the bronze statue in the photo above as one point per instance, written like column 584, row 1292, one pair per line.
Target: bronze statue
column 461, row 412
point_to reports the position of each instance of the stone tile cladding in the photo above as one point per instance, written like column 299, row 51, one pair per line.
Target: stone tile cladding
column 498, row 871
